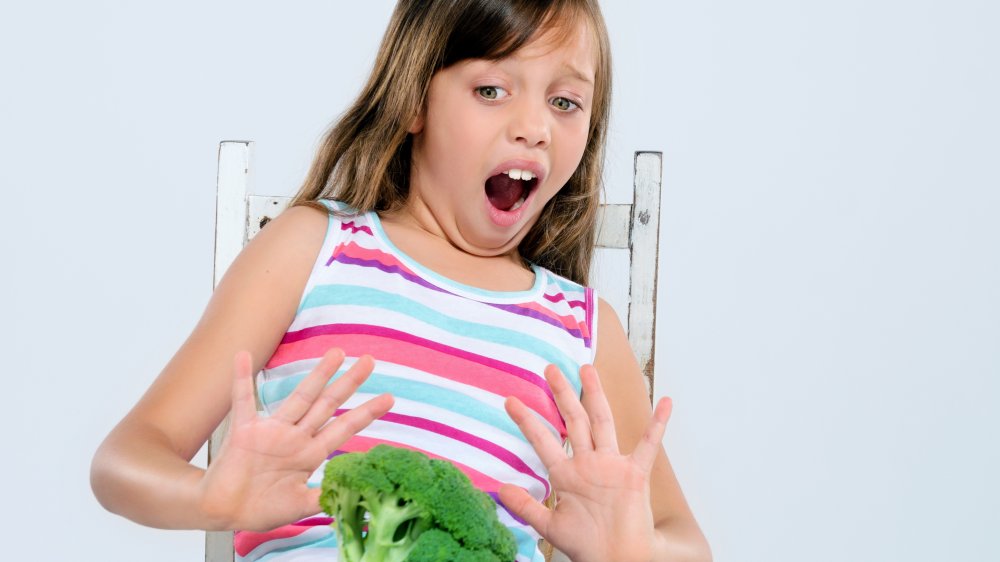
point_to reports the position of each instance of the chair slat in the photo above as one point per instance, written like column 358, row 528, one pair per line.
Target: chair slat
column 614, row 224
column 645, row 243
column 261, row 209
column 233, row 185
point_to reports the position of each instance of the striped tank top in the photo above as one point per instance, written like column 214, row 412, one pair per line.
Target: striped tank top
column 449, row 354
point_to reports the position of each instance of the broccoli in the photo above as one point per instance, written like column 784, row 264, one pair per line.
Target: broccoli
column 394, row 505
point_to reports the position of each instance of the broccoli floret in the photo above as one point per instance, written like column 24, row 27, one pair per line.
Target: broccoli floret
column 435, row 545
column 396, row 505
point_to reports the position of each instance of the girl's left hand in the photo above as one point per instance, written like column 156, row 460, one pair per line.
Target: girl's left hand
column 603, row 502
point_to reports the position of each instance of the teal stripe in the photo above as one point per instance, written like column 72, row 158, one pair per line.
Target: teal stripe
column 567, row 285
column 329, row 541
column 325, row 295
column 273, row 391
column 527, row 545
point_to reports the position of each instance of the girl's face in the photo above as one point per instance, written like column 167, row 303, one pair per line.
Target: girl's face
column 485, row 123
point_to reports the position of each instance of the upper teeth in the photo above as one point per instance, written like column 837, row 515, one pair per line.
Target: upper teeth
column 520, row 174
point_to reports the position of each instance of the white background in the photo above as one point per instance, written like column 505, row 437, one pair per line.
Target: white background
column 829, row 316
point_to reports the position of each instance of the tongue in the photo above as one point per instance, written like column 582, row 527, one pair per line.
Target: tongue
column 503, row 191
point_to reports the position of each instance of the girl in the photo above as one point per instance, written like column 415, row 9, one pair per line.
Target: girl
column 433, row 266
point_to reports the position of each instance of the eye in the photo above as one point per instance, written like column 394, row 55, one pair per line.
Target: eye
column 491, row 92
column 564, row 104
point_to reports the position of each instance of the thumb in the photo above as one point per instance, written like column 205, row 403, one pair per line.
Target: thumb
column 310, row 501
column 521, row 504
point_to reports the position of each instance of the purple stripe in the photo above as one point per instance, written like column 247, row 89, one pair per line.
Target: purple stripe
column 344, row 329
column 508, row 458
column 496, row 498
column 387, row 268
column 517, row 309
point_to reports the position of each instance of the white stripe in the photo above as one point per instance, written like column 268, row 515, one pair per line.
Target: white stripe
column 288, row 369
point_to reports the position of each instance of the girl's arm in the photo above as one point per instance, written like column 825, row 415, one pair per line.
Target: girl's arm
column 142, row 469
column 616, row 496
column 678, row 534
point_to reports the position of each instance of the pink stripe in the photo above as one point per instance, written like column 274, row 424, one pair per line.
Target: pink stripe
column 392, row 346
column 349, row 225
column 353, row 250
column 336, row 252
column 589, row 295
column 245, row 541
column 559, row 297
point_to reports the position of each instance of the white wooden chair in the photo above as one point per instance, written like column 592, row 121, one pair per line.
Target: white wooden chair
column 623, row 271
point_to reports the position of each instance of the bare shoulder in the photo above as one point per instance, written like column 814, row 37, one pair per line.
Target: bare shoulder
column 269, row 274
column 250, row 309
column 295, row 235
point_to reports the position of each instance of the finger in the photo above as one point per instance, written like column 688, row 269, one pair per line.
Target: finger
column 302, row 398
column 652, row 439
column 521, row 504
column 544, row 442
column 337, row 393
column 345, row 426
column 244, row 407
column 602, row 421
column 577, row 424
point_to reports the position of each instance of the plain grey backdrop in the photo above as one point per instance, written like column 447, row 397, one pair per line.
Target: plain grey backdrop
column 829, row 315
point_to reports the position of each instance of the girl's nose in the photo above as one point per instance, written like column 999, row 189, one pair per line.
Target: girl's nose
column 530, row 125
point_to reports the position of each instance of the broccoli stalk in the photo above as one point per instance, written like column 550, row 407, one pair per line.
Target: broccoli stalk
column 350, row 524
column 393, row 528
column 416, row 509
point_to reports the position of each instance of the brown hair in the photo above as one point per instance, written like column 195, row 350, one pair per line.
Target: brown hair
column 364, row 159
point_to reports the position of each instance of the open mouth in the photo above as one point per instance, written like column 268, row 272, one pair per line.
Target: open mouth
column 508, row 190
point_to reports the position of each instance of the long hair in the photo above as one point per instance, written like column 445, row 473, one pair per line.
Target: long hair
column 364, row 158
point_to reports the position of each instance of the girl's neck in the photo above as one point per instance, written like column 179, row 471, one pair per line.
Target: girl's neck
column 423, row 241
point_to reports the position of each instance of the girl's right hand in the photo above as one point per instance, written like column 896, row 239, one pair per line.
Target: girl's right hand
column 257, row 482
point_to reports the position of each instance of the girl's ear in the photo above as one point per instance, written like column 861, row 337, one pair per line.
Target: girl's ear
column 417, row 124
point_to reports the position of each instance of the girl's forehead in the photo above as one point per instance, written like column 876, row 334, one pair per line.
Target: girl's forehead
column 571, row 43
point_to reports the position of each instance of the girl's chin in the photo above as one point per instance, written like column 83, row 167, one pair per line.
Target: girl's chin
column 488, row 240
column 489, row 245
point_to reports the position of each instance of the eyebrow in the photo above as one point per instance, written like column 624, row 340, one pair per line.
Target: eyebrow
column 578, row 74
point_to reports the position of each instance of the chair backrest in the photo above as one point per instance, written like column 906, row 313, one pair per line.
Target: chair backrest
column 624, row 268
